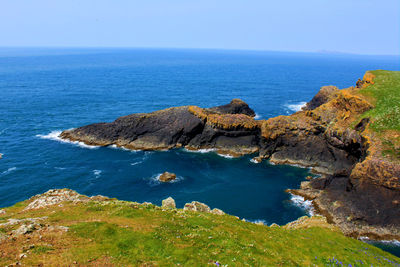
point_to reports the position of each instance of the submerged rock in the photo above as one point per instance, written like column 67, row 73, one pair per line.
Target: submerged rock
column 168, row 203
column 167, row 177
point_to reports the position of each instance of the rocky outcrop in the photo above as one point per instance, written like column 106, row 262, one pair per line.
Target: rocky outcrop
column 201, row 207
column 168, row 203
column 230, row 129
column 58, row 196
column 359, row 190
column 323, row 96
column 167, row 177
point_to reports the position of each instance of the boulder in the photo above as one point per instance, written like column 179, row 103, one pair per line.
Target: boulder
column 167, row 177
column 168, row 203
column 197, row 206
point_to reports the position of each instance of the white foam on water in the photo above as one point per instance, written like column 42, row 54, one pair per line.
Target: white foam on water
column 136, row 163
column 97, row 173
column 122, row 148
column 393, row 242
column 203, row 150
column 55, row 135
column 257, row 117
column 60, row 168
column 300, row 202
column 296, row 107
column 9, row 170
column 225, row 156
column 254, row 161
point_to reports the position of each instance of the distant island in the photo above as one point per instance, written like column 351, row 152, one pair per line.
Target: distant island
column 349, row 137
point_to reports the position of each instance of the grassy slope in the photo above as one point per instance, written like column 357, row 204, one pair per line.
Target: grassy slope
column 385, row 117
column 123, row 233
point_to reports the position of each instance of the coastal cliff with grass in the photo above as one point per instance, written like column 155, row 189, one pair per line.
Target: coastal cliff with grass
column 64, row 228
column 349, row 137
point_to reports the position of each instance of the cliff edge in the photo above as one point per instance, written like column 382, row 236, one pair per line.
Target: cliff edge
column 350, row 136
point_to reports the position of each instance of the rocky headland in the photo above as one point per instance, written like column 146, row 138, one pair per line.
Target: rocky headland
column 359, row 184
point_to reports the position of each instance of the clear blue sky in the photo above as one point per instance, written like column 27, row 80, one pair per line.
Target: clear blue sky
column 351, row 26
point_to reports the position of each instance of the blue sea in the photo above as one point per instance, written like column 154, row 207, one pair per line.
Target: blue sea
column 44, row 91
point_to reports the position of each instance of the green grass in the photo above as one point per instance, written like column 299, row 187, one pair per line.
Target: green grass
column 128, row 234
column 385, row 95
column 41, row 249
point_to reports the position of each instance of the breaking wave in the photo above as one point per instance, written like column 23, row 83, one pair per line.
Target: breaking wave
column 295, row 107
column 55, row 135
column 300, row 202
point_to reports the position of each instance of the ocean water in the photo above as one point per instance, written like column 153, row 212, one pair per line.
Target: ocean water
column 44, row 91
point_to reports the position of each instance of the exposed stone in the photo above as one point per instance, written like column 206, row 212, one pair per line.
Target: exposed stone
column 168, row 203
column 217, row 211
column 25, row 229
column 197, row 206
column 12, row 221
column 2, row 211
column 53, row 197
column 325, row 94
column 230, row 128
column 256, row 159
column 167, row 177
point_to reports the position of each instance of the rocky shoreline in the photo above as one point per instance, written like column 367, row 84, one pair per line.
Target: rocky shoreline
column 359, row 190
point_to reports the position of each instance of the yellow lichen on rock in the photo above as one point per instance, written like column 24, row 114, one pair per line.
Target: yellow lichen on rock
column 225, row 121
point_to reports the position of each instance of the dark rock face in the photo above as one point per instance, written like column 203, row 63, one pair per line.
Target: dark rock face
column 157, row 130
column 323, row 96
column 236, row 106
column 177, row 127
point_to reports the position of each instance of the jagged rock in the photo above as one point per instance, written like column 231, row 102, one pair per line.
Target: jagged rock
column 167, row 177
column 325, row 94
column 53, row 197
column 197, row 206
column 229, row 128
column 236, row 106
column 26, row 229
column 168, row 203
column 2, row 212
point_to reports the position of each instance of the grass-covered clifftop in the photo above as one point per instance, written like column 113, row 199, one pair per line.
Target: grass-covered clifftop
column 384, row 93
column 63, row 228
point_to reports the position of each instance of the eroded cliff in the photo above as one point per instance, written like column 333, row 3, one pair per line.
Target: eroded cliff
column 360, row 186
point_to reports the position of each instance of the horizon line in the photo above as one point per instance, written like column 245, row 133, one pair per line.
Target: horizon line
column 322, row 51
